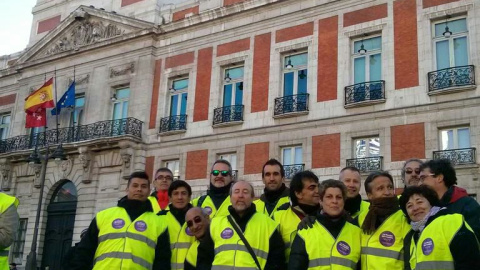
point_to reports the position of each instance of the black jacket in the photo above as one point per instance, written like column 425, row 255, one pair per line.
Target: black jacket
column 271, row 198
column 85, row 251
column 464, row 246
column 276, row 254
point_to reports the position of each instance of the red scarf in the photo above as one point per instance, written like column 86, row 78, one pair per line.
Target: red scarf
column 162, row 196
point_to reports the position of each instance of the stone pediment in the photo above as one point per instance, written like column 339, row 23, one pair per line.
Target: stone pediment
column 83, row 29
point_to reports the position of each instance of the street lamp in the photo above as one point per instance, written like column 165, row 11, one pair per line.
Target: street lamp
column 34, row 160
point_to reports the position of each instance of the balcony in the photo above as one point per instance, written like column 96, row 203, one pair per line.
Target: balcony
column 228, row 115
column 365, row 93
column 291, row 170
column 291, row 105
column 457, row 156
column 173, row 124
column 365, row 165
column 448, row 79
column 103, row 129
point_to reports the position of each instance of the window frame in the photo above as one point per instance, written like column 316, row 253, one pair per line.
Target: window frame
column 295, row 70
column 5, row 126
column 232, row 82
column 228, row 157
column 455, row 137
column 176, row 169
column 293, row 154
column 367, row 56
column 77, row 110
column 367, row 149
column 180, row 92
column 451, row 49
column 19, row 243
column 121, row 101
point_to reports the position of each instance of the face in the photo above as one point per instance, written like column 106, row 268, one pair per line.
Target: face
column 351, row 179
column 381, row 187
column 197, row 222
column 417, row 207
column 309, row 194
column 220, row 180
column 138, row 189
column 272, row 177
column 163, row 180
column 180, row 198
column 333, row 201
column 412, row 174
column 241, row 196
column 427, row 177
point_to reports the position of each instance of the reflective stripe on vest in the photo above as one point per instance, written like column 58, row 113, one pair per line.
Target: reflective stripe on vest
column 326, row 252
column 222, row 267
column 111, row 236
column 123, row 256
column 209, row 206
column 180, row 240
column 435, row 265
column 261, row 208
column 288, row 223
column 6, row 201
column 380, row 252
column 230, row 250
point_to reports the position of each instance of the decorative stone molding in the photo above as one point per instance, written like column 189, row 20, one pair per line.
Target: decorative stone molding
column 37, row 169
column 126, row 160
column 126, row 152
column 80, row 80
column 5, row 174
column 115, row 72
column 85, row 159
column 65, row 168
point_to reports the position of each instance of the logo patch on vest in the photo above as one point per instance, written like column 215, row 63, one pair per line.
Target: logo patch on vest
column 140, row 226
column 343, row 248
column 118, row 223
column 387, row 239
column 188, row 232
column 208, row 209
column 227, row 233
column 427, row 246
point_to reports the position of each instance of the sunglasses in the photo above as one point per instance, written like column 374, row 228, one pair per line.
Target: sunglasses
column 217, row 172
column 195, row 220
column 410, row 171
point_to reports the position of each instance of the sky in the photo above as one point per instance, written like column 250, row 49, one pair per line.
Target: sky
column 16, row 22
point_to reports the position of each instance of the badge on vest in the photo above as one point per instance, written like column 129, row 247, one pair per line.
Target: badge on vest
column 188, row 232
column 140, row 226
column 227, row 233
column 118, row 223
column 387, row 239
column 208, row 209
column 343, row 248
column 427, row 246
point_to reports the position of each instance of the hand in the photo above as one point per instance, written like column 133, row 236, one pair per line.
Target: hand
column 307, row 222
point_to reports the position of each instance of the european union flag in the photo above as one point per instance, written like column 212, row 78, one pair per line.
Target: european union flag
column 67, row 100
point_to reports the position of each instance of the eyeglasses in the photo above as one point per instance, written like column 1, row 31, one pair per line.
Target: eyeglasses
column 423, row 177
column 410, row 171
column 217, row 172
column 195, row 220
column 161, row 177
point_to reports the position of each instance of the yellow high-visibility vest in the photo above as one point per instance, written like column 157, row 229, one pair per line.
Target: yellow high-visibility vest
column 209, row 206
column 260, row 205
column 192, row 254
column 363, row 207
column 6, row 201
column 288, row 222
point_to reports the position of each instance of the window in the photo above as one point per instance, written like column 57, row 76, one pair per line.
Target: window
column 120, row 105
column 451, row 51
column 292, row 160
column 174, row 166
column 295, row 74
column 178, row 97
column 233, row 86
column 367, row 60
column 76, row 117
column 455, row 138
column 366, row 147
column 230, row 157
column 16, row 251
column 4, row 126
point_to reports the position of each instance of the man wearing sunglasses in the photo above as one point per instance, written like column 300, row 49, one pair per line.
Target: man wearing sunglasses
column 217, row 200
column 198, row 222
column 411, row 172
column 159, row 197
column 275, row 193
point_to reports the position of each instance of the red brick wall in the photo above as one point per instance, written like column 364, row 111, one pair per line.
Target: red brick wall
column 179, row 60
column 327, row 59
column 365, row 15
column 149, row 165
column 405, row 43
column 196, row 165
column 180, row 15
column 432, row 3
column 129, row 2
column 256, row 154
column 233, row 47
column 156, row 88
column 294, row 32
column 326, row 151
column 408, row 141
column 202, row 90
column 9, row 99
column 261, row 72
column 231, row 2
column 48, row 24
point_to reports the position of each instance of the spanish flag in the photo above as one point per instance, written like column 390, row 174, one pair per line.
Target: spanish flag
column 41, row 98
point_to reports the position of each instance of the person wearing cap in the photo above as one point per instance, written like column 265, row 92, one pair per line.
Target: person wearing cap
column 9, row 222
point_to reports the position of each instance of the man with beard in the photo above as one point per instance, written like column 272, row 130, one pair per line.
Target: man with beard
column 199, row 223
column 259, row 232
column 384, row 226
column 305, row 202
column 181, row 237
column 275, row 193
column 159, row 197
column 411, row 172
column 217, row 200
column 354, row 204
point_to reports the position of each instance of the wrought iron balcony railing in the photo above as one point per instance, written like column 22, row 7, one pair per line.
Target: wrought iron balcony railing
column 228, row 114
column 291, row 170
column 291, row 104
column 102, row 129
column 368, row 164
column 451, row 77
column 457, row 156
column 173, row 123
column 366, row 91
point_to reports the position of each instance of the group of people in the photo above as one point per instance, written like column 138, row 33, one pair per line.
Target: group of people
column 433, row 224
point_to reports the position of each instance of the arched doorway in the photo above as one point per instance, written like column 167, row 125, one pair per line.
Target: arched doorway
column 60, row 223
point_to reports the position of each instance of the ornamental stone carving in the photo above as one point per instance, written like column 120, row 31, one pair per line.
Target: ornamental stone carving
column 85, row 160
column 5, row 175
column 122, row 71
column 80, row 81
column 65, row 168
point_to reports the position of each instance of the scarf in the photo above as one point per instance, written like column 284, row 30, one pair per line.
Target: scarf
column 352, row 205
column 272, row 196
column 219, row 194
column 162, row 198
column 418, row 226
column 380, row 209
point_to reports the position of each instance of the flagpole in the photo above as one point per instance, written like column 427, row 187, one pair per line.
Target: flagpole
column 56, row 102
column 74, row 122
